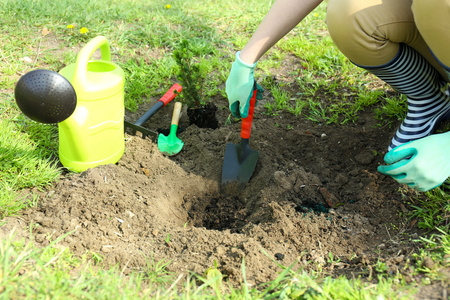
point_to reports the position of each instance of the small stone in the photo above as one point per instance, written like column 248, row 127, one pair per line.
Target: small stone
column 329, row 198
column 26, row 59
column 319, row 260
column 281, row 179
column 323, row 135
column 125, row 228
column 221, row 251
column 40, row 238
column 403, row 208
column 428, row 263
column 155, row 232
column 129, row 214
column 341, row 179
column 399, row 259
column 279, row 256
column 106, row 248
column 230, row 271
column 46, row 222
column 364, row 158
column 408, row 278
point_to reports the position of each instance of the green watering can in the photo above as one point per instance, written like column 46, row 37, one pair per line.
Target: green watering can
column 94, row 134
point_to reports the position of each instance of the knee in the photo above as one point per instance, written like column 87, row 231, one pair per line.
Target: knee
column 436, row 33
column 423, row 10
column 426, row 10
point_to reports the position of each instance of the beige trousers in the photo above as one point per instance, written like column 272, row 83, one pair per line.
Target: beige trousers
column 368, row 32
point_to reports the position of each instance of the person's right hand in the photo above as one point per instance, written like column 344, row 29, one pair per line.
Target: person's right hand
column 239, row 87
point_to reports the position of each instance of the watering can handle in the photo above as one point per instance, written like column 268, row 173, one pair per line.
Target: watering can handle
column 246, row 125
column 80, row 73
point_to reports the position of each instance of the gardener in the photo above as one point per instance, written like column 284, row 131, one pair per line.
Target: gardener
column 406, row 43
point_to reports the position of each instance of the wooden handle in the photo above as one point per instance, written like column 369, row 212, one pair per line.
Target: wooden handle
column 176, row 113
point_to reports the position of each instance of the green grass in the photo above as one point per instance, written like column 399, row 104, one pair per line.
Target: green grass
column 328, row 87
column 26, row 149
column 325, row 87
column 53, row 272
column 433, row 211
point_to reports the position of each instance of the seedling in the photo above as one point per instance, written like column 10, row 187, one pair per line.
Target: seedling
column 381, row 267
column 97, row 258
column 190, row 75
column 331, row 259
column 167, row 240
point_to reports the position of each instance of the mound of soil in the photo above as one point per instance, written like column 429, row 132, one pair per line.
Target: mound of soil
column 315, row 191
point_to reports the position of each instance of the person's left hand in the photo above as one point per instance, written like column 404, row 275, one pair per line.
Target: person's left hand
column 423, row 164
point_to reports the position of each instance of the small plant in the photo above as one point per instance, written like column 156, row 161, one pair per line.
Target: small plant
column 228, row 121
column 214, row 279
column 190, row 75
column 156, row 271
column 97, row 258
column 167, row 240
column 381, row 267
column 331, row 259
column 82, row 34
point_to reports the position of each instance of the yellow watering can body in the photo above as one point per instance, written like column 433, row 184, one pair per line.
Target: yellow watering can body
column 94, row 134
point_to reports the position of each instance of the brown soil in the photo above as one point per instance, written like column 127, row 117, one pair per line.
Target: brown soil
column 315, row 191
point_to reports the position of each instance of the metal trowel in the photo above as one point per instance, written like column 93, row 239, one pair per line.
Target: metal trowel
column 240, row 160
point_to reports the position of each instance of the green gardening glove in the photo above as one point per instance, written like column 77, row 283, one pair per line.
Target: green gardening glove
column 239, row 87
column 423, row 164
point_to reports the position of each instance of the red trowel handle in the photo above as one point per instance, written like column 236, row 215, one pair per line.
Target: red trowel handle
column 170, row 94
column 166, row 98
column 246, row 125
